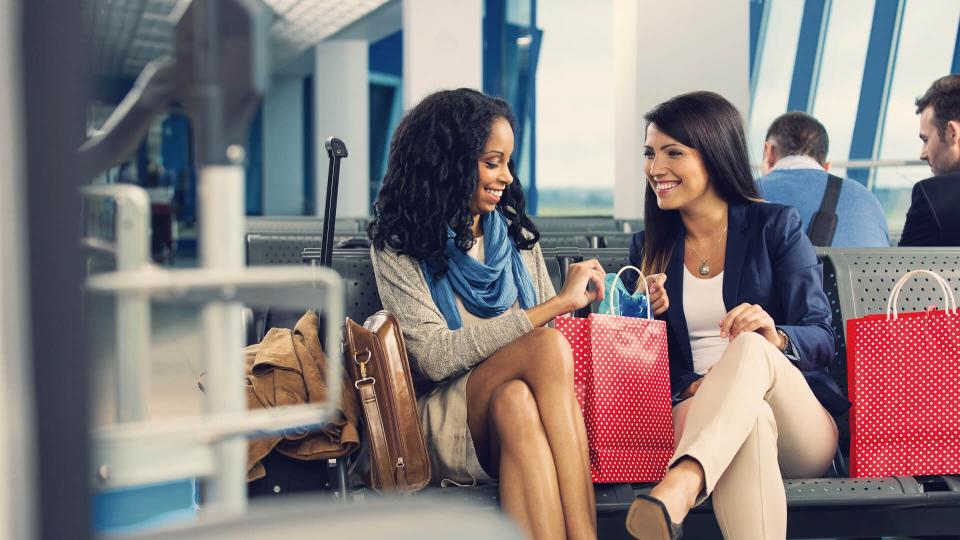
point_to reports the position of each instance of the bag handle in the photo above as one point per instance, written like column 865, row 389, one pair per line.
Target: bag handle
column 949, row 300
column 646, row 290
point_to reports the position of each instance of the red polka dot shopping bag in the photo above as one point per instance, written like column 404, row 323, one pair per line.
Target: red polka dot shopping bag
column 622, row 380
column 904, row 381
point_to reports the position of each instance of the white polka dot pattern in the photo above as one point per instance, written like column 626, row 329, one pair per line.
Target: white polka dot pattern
column 904, row 382
column 622, row 380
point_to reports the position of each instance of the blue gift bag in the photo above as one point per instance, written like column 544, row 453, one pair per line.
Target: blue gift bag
column 620, row 301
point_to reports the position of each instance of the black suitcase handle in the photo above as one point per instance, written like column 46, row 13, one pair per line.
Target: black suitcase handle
column 336, row 151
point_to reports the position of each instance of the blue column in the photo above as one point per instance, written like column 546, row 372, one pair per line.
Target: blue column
column 955, row 64
column 309, row 198
column 875, row 88
column 253, row 192
column 494, row 22
column 537, row 35
column 806, row 67
column 759, row 14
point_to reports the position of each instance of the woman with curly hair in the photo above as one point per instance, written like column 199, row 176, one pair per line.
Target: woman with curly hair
column 456, row 259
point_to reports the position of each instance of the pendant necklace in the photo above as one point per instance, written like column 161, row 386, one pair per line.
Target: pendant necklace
column 704, row 268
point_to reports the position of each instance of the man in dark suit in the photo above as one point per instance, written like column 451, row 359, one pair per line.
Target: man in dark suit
column 934, row 215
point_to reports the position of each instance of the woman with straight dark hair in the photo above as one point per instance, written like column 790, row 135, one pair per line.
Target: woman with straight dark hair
column 748, row 326
column 456, row 259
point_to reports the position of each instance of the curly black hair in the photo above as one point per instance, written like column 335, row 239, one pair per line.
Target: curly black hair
column 432, row 173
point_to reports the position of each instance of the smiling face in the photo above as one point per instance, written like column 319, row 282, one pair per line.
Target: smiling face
column 942, row 154
column 492, row 169
column 676, row 172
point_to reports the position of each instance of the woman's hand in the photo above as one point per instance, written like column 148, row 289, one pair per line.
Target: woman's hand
column 658, row 293
column 576, row 292
column 749, row 318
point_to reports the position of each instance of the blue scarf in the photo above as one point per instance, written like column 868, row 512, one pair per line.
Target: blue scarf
column 486, row 289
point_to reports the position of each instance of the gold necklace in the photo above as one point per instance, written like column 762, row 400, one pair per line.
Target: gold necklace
column 704, row 268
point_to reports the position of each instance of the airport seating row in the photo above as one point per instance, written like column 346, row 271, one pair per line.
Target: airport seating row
column 352, row 225
column 857, row 282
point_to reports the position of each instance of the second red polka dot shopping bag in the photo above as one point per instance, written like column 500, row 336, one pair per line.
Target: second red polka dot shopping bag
column 904, row 383
column 622, row 380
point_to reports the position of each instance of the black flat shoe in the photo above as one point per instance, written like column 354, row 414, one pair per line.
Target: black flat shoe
column 648, row 519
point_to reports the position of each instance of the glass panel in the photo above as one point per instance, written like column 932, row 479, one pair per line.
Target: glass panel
column 575, row 108
column 841, row 72
column 518, row 12
column 775, row 71
column 925, row 52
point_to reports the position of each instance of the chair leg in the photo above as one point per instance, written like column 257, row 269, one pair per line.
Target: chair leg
column 342, row 490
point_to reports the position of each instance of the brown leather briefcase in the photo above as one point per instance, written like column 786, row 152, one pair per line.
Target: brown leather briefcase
column 376, row 359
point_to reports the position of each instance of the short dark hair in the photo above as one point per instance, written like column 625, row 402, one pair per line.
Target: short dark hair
column 799, row 134
column 944, row 96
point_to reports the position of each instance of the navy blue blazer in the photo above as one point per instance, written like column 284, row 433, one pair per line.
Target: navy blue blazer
column 770, row 262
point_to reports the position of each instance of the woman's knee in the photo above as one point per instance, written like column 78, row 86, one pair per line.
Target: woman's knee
column 748, row 347
column 549, row 356
column 513, row 410
column 749, row 340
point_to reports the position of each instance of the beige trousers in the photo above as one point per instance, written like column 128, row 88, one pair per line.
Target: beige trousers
column 753, row 422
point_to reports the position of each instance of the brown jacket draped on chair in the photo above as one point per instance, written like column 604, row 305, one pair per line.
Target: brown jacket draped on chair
column 289, row 368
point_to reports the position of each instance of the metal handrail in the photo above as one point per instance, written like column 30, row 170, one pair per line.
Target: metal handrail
column 190, row 446
column 131, row 251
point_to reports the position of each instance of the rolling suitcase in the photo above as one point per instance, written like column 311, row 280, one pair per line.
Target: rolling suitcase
column 284, row 474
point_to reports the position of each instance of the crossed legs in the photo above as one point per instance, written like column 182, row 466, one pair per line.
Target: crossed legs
column 753, row 421
column 528, row 432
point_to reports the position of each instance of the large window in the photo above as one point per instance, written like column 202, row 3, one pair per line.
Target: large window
column 575, row 108
column 841, row 72
column 775, row 70
column 872, row 60
column 924, row 53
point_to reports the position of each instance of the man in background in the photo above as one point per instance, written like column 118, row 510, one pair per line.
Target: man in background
column 795, row 173
column 934, row 215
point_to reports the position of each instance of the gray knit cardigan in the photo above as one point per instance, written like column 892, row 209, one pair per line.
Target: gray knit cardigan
column 436, row 351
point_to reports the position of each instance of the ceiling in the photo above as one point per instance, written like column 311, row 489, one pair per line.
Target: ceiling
column 126, row 34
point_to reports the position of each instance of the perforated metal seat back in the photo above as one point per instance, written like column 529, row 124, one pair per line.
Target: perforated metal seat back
column 575, row 224
column 306, row 225
column 278, row 248
column 285, row 248
column 865, row 277
column 630, row 225
column 838, row 368
column 356, row 269
column 553, row 267
column 560, row 240
column 616, row 240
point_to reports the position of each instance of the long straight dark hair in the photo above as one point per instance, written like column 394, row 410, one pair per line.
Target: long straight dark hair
column 708, row 123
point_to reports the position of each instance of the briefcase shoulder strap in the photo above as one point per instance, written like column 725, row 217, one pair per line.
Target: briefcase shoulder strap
column 388, row 475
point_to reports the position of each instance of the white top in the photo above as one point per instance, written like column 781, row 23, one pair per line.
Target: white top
column 797, row 162
column 466, row 318
column 703, row 308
